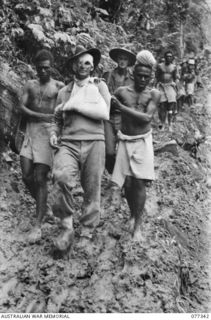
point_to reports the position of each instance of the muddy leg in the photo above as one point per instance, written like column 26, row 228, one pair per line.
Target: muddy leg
column 170, row 114
column 182, row 101
column 65, row 173
column 189, row 100
column 27, row 168
column 162, row 112
column 175, row 111
column 41, row 173
column 136, row 197
column 65, row 240
column 128, row 195
column 40, row 177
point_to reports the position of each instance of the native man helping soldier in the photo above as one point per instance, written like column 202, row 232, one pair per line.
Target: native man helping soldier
column 134, row 164
column 38, row 104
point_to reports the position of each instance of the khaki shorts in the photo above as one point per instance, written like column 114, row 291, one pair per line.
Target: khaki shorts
column 36, row 146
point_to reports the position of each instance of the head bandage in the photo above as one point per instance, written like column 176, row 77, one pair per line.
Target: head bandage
column 83, row 59
column 146, row 58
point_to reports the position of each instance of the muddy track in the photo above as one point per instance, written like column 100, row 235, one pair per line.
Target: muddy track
column 168, row 272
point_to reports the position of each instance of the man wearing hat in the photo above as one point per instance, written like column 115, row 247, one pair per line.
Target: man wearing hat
column 134, row 164
column 116, row 78
column 166, row 77
column 82, row 106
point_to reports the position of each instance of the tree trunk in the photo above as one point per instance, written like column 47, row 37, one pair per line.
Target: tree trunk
column 181, row 40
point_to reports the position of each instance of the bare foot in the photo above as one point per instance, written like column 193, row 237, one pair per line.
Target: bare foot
column 137, row 235
column 35, row 235
column 131, row 223
column 64, row 240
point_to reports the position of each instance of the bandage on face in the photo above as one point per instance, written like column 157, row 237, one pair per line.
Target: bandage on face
column 86, row 60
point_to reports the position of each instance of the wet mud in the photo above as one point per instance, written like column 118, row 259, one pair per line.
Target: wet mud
column 167, row 272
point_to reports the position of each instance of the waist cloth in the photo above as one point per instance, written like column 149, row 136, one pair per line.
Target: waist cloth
column 168, row 92
column 135, row 157
column 190, row 88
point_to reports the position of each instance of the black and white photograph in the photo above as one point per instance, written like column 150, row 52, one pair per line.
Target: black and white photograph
column 105, row 203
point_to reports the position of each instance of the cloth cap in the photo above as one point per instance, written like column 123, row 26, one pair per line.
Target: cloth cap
column 145, row 58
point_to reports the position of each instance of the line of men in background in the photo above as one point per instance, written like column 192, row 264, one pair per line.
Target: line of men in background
column 177, row 83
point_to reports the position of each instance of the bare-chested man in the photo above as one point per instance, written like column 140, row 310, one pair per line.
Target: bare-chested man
column 135, row 160
column 166, row 76
column 38, row 104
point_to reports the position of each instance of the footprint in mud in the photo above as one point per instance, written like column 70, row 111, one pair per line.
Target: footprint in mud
column 36, row 306
column 56, row 300
column 57, row 254
column 7, row 288
column 25, row 226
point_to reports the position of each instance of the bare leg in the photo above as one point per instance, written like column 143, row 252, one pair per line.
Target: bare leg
column 175, row 111
column 128, row 195
column 27, row 168
column 41, row 172
column 110, row 161
column 135, row 193
column 180, row 103
column 40, row 177
column 162, row 112
column 170, row 114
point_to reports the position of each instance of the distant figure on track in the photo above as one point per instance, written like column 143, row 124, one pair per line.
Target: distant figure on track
column 166, row 77
column 190, row 80
column 38, row 104
column 135, row 159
